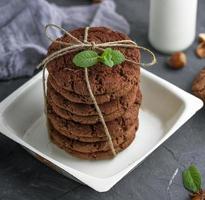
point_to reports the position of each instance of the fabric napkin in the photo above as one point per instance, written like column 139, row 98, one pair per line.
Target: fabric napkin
column 22, row 38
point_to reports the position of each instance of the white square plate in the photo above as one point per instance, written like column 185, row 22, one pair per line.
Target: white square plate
column 164, row 109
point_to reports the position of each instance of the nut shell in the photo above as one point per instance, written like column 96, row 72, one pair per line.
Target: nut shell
column 201, row 37
column 177, row 60
column 200, row 50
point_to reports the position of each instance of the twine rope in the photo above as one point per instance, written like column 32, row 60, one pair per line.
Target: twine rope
column 78, row 45
column 81, row 45
column 95, row 102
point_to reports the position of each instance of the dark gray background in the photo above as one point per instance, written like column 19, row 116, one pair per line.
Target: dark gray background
column 24, row 178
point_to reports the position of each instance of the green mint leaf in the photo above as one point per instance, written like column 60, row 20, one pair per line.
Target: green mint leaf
column 106, row 57
column 106, row 52
column 192, row 179
column 109, row 63
column 86, row 58
column 117, row 57
column 112, row 57
column 89, row 58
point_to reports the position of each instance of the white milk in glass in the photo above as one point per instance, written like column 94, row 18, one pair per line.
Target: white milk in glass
column 172, row 24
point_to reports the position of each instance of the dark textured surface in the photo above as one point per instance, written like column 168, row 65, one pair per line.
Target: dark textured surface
column 24, row 178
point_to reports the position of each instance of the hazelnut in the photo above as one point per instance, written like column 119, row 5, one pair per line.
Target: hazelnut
column 200, row 50
column 201, row 37
column 177, row 60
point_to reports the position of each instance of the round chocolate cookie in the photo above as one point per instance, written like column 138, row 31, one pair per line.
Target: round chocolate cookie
column 62, row 141
column 89, row 110
column 85, row 119
column 94, row 138
column 90, row 119
column 198, row 85
column 84, row 99
column 116, row 127
column 91, row 147
column 103, row 79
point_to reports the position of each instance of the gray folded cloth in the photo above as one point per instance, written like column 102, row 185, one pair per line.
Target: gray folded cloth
column 22, row 38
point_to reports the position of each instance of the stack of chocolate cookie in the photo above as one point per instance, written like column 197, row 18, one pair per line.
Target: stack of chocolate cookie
column 74, row 124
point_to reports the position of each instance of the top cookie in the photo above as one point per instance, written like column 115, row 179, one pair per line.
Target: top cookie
column 103, row 79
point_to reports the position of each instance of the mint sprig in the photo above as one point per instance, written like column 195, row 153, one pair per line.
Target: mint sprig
column 89, row 58
column 192, row 179
column 107, row 58
column 86, row 58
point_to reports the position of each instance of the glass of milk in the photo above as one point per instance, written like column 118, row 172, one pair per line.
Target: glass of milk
column 172, row 25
